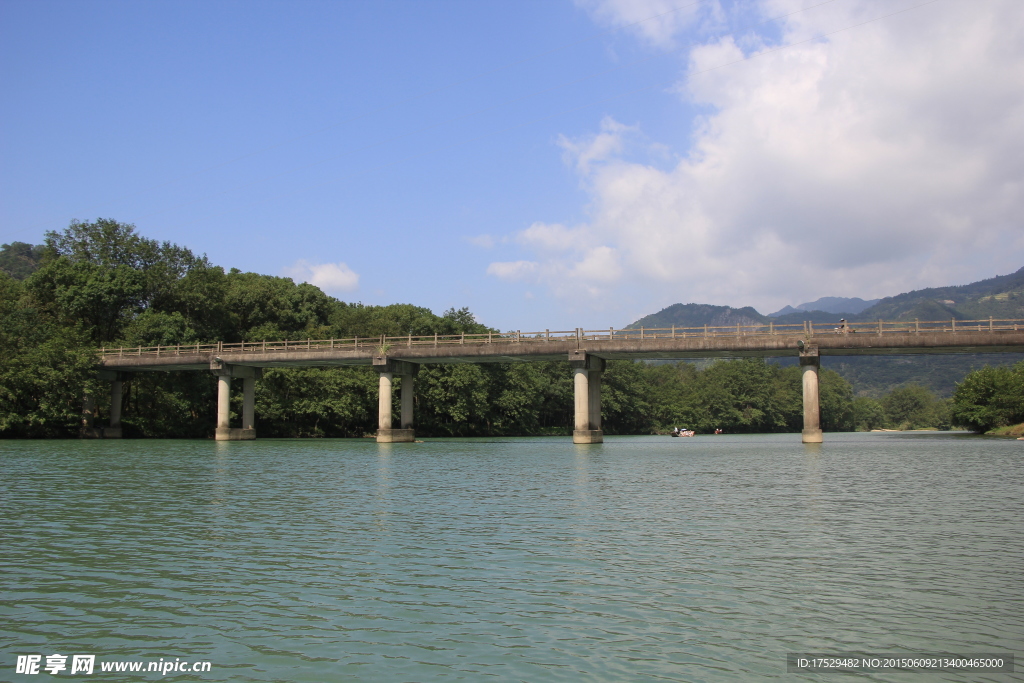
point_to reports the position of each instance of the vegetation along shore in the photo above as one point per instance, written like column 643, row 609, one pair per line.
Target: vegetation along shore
column 102, row 284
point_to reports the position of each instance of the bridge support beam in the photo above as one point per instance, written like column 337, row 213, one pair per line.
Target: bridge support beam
column 587, row 371
column 810, row 362
column 388, row 369
column 225, row 373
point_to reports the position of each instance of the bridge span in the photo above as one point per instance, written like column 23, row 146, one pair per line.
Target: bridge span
column 399, row 358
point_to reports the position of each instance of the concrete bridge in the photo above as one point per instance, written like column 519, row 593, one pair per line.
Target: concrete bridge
column 399, row 358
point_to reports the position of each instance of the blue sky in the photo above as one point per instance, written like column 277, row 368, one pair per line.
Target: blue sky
column 547, row 164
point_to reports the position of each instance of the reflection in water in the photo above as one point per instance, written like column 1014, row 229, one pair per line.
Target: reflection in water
column 381, row 506
column 703, row 559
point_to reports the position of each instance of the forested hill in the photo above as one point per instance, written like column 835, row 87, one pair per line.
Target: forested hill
column 697, row 315
column 999, row 297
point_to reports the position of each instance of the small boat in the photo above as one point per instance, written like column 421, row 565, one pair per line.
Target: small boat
column 685, row 432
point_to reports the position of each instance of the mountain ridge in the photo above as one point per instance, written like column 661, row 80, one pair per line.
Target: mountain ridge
column 830, row 304
column 1001, row 296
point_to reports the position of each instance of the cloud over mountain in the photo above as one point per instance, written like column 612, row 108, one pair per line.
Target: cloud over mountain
column 885, row 157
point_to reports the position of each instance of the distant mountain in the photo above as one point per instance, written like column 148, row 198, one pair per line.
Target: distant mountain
column 830, row 304
column 999, row 297
column 698, row 315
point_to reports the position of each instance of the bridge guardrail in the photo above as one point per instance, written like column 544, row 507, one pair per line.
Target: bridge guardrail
column 385, row 344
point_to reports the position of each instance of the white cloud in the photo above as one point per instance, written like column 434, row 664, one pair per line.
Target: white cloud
column 610, row 142
column 512, row 270
column 656, row 22
column 330, row 277
column 550, row 237
column 876, row 160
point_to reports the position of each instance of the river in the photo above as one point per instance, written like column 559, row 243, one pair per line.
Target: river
column 643, row 558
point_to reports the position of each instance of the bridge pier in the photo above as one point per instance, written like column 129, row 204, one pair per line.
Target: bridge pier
column 87, row 430
column 407, row 371
column 225, row 373
column 810, row 362
column 116, row 399
column 587, row 371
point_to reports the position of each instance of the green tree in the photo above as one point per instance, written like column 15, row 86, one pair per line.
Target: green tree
column 275, row 308
column 454, row 400
column 868, row 414
column 625, row 399
column 317, row 402
column 19, row 260
column 99, row 276
column 915, row 407
column 836, row 402
column 989, row 397
column 45, row 369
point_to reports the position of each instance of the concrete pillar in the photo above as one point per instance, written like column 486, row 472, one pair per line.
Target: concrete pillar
column 581, row 384
column 249, row 403
column 116, row 394
column 809, row 364
column 223, row 430
column 88, row 430
column 587, row 394
column 407, row 400
column 384, row 402
column 388, row 368
column 594, row 381
column 248, row 375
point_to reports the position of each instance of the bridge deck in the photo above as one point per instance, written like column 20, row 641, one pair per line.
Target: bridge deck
column 882, row 338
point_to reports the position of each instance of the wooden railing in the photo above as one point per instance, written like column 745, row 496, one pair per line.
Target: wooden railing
column 384, row 345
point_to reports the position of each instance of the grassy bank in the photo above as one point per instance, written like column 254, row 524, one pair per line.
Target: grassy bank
column 1012, row 430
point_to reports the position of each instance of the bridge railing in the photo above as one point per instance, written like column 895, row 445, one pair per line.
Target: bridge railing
column 384, row 345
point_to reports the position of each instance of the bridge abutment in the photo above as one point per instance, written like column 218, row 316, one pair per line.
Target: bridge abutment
column 587, row 371
column 810, row 363
column 407, row 371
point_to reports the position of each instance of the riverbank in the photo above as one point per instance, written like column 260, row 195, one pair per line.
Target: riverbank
column 1012, row 430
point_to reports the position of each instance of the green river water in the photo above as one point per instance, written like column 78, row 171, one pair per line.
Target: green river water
column 640, row 559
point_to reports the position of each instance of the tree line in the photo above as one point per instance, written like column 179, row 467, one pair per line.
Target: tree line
column 102, row 284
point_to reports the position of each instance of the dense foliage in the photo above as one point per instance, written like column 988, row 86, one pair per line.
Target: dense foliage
column 990, row 398
column 19, row 260
column 101, row 284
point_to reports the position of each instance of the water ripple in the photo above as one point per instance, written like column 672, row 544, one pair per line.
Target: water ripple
column 518, row 559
